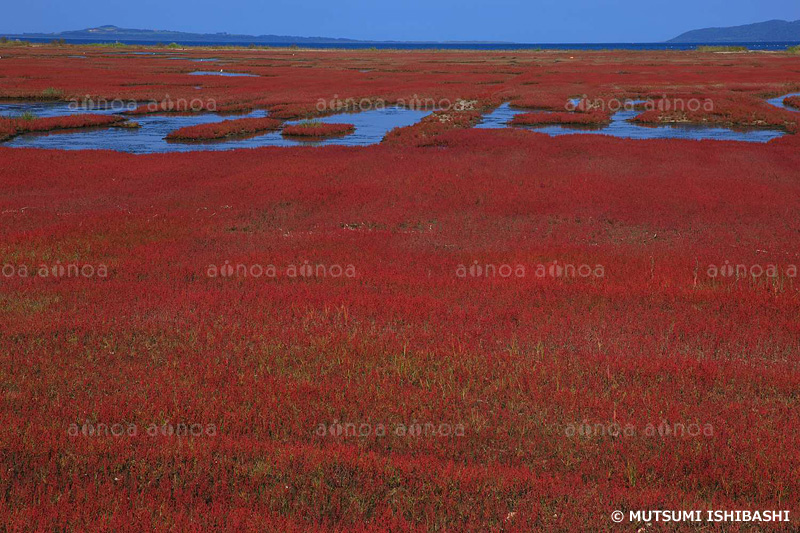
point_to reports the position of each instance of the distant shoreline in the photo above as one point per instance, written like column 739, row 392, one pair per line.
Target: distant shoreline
column 394, row 45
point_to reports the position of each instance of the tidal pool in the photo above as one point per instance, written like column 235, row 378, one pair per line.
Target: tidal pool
column 195, row 59
column 371, row 126
column 778, row 102
column 621, row 126
column 222, row 73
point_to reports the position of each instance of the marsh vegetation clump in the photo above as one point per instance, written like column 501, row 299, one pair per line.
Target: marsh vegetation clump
column 51, row 93
column 318, row 129
column 722, row 49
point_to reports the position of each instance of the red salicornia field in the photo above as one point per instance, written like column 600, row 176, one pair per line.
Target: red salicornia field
column 455, row 329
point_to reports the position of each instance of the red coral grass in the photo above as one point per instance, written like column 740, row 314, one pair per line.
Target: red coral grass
column 729, row 110
column 241, row 127
column 792, row 101
column 424, row 133
column 289, row 111
column 531, row 119
column 10, row 127
column 7, row 129
column 557, row 381
column 317, row 129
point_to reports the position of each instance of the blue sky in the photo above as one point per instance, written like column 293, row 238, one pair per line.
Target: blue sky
column 533, row 21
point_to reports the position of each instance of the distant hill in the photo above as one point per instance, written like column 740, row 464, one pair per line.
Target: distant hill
column 113, row 33
column 769, row 31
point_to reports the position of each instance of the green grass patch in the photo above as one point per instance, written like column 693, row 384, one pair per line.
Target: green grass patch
column 53, row 93
column 722, row 49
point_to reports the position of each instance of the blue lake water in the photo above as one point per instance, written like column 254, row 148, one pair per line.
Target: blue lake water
column 361, row 45
column 195, row 59
column 778, row 102
column 621, row 126
column 57, row 109
column 371, row 126
column 222, row 73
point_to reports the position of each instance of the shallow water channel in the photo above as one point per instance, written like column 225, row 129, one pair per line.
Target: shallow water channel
column 621, row 126
column 371, row 126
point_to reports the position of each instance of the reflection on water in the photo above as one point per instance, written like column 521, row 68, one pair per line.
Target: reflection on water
column 221, row 73
column 621, row 126
column 371, row 126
